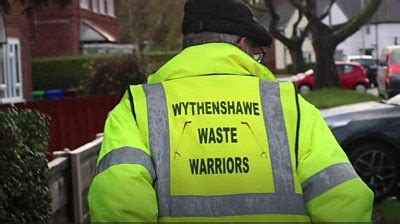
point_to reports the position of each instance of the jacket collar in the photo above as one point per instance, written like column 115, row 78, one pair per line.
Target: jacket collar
column 211, row 58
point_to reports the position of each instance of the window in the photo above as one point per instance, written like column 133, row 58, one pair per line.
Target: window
column 395, row 58
column 102, row 7
column 300, row 31
column 349, row 68
column 2, row 77
column 84, row 4
column 95, row 5
column 307, row 55
column 110, row 8
column 344, row 69
column 11, row 75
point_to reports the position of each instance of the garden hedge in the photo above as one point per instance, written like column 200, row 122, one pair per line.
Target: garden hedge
column 59, row 72
column 24, row 192
column 73, row 73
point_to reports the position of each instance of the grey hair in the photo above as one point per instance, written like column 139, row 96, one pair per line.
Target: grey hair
column 193, row 39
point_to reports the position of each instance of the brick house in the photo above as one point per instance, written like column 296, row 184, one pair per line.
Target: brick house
column 67, row 30
column 15, row 56
column 50, row 31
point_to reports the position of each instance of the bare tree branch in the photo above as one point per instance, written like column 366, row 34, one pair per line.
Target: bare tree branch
column 300, row 6
column 309, row 9
column 327, row 11
column 338, row 26
column 296, row 24
column 273, row 26
column 306, row 32
column 356, row 22
column 325, row 39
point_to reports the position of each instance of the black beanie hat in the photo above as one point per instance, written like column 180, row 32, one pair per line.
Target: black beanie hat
column 224, row 16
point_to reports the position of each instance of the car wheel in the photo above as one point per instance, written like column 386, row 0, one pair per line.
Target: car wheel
column 360, row 88
column 377, row 166
column 304, row 89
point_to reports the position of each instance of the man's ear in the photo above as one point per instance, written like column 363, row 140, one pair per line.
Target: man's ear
column 242, row 43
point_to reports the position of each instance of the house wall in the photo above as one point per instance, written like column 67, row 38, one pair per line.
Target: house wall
column 385, row 33
column 370, row 36
column 17, row 26
column 106, row 22
column 52, row 31
column 337, row 17
column 56, row 31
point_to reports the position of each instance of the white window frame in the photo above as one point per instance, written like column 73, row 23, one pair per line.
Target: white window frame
column 3, row 85
column 84, row 4
column 95, row 6
column 12, row 66
column 102, row 7
column 111, row 8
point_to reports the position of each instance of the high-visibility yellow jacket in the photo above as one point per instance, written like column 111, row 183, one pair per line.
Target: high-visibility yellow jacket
column 214, row 137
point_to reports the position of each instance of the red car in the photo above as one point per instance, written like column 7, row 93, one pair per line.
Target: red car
column 351, row 75
column 389, row 72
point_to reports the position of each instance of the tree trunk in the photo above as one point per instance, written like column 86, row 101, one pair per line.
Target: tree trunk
column 325, row 69
column 296, row 54
column 325, row 39
column 325, row 73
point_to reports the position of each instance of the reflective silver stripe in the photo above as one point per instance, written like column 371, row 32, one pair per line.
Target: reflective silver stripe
column 277, row 138
column 126, row 155
column 284, row 201
column 327, row 179
column 157, row 113
column 241, row 204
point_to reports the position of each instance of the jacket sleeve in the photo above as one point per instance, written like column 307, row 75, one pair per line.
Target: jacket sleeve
column 332, row 189
column 122, row 189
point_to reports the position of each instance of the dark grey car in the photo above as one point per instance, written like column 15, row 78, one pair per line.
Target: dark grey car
column 370, row 135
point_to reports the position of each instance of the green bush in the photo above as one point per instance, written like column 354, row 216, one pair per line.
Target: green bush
column 113, row 75
column 161, row 56
column 24, row 192
column 75, row 73
column 157, row 59
column 59, row 72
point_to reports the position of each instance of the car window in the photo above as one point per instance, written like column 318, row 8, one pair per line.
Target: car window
column 348, row 68
column 344, row 69
column 395, row 57
column 364, row 61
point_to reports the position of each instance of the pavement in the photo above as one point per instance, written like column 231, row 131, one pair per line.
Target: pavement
column 373, row 91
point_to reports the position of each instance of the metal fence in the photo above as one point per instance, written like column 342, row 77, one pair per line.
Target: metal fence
column 70, row 176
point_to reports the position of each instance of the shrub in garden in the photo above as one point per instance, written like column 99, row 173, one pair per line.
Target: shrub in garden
column 59, row 72
column 24, row 192
column 113, row 75
column 93, row 74
column 157, row 59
